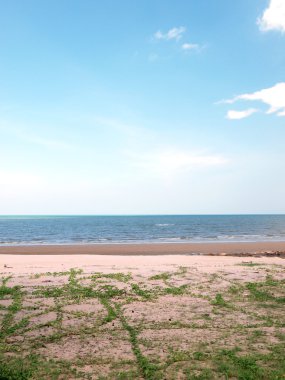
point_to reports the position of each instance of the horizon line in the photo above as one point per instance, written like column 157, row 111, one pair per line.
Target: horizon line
column 202, row 214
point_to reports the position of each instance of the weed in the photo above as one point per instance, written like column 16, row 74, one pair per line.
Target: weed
column 33, row 367
column 7, row 326
column 235, row 289
column 194, row 360
column 220, row 301
column 249, row 264
column 141, row 292
column 122, row 277
column 109, row 291
column 161, row 276
column 257, row 333
column 204, row 374
column 241, row 367
column 149, row 370
column 176, row 291
column 112, row 314
column 198, row 355
column 178, row 356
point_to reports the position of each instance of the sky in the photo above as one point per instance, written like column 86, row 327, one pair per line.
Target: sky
column 142, row 107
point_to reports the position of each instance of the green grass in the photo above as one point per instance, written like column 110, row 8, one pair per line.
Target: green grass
column 149, row 371
column 176, row 290
column 139, row 291
column 33, row 367
column 262, row 292
column 250, row 264
column 220, row 301
column 242, row 367
column 156, row 356
column 161, row 276
column 122, row 277
column 112, row 314
column 15, row 292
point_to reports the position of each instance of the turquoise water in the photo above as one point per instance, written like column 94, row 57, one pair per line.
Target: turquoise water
column 24, row 230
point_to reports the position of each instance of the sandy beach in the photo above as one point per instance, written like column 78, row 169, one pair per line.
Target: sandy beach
column 106, row 313
column 28, row 264
column 52, row 258
column 148, row 249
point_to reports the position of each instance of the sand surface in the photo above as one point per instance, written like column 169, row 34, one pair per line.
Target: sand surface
column 147, row 249
column 27, row 264
column 142, row 317
column 152, row 311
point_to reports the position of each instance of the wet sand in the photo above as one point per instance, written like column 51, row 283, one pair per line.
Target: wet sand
column 148, row 249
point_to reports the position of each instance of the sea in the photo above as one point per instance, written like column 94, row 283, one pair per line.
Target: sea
column 74, row 229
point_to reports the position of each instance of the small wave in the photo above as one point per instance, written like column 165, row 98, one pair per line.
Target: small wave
column 164, row 224
column 9, row 242
column 249, row 238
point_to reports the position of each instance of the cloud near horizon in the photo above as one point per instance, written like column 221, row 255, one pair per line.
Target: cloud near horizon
column 273, row 96
column 273, row 17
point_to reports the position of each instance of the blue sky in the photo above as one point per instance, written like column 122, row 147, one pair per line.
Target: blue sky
column 138, row 107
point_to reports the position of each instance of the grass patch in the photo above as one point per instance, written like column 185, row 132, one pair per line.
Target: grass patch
column 8, row 327
column 176, row 290
column 148, row 370
column 122, row 277
column 192, row 359
column 51, row 274
column 262, row 292
column 34, row 367
column 161, row 276
column 241, row 367
column 112, row 314
column 250, row 264
column 220, row 301
column 145, row 294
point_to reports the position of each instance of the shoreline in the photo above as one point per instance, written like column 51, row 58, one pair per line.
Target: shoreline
column 152, row 249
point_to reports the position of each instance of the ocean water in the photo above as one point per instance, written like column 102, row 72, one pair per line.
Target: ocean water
column 26, row 230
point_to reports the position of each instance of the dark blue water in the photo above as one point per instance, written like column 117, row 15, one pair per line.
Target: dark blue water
column 23, row 230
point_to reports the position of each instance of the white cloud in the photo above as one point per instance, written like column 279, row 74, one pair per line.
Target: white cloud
column 172, row 34
column 274, row 97
column 188, row 46
column 236, row 115
column 273, row 17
